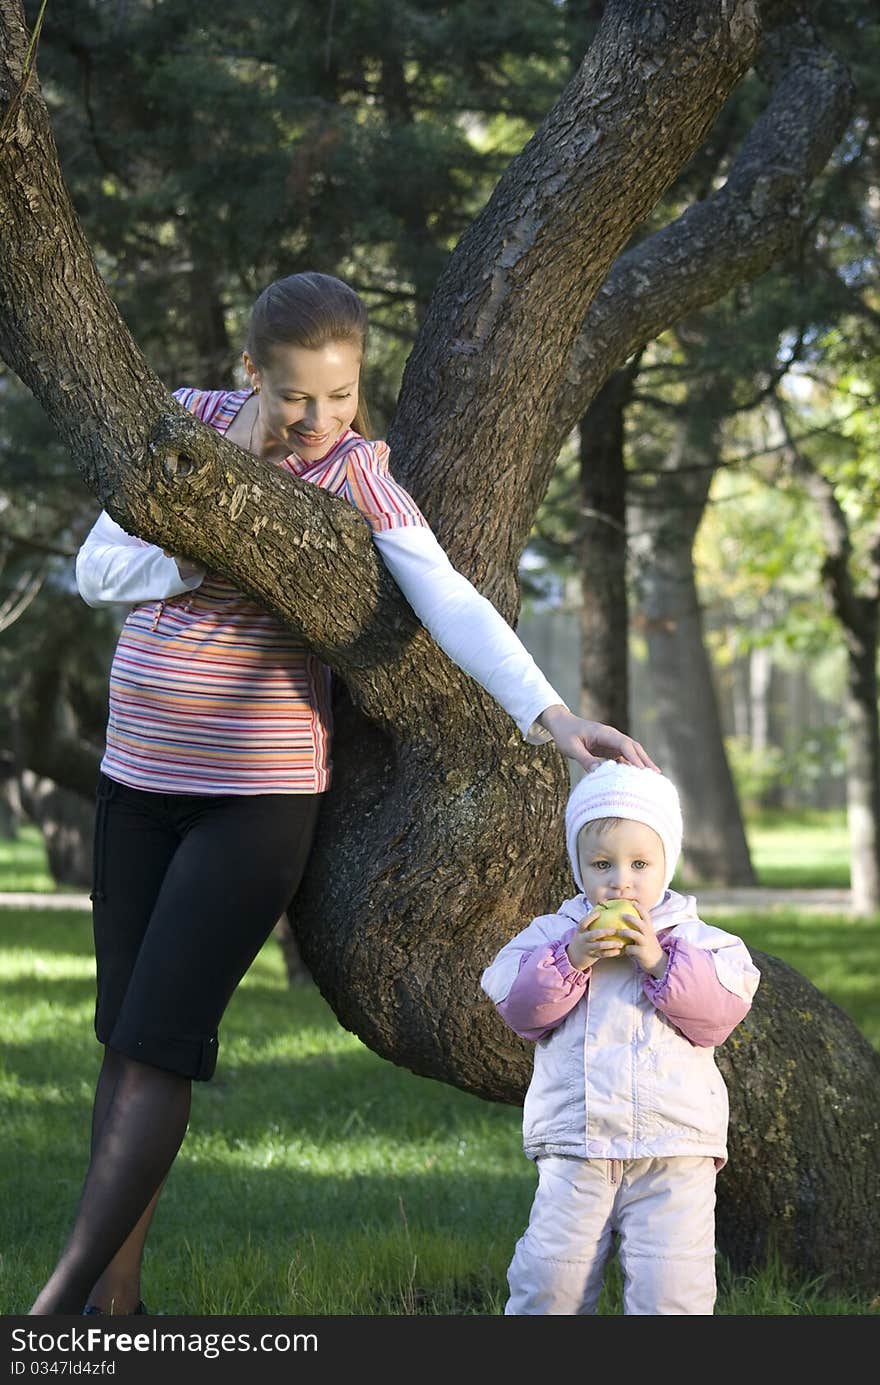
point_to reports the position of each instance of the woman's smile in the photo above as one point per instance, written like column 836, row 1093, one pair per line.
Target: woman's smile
column 307, row 398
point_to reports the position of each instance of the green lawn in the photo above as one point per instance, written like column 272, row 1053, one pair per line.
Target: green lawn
column 803, row 851
column 23, row 864
column 316, row 1178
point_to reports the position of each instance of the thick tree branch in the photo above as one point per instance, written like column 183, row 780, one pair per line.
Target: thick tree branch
column 304, row 555
column 731, row 237
column 485, row 373
column 435, row 773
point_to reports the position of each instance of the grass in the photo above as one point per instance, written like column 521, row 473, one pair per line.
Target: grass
column 840, row 955
column 316, row 1179
column 23, row 867
column 804, row 851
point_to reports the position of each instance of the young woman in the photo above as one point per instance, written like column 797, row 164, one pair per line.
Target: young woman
column 217, row 752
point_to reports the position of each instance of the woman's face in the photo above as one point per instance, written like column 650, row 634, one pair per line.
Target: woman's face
column 307, row 398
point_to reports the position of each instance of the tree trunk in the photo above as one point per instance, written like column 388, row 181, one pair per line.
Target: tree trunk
column 760, row 691
column 297, row 972
column 66, row 821
column 856, row 604
column 863, row 770
column 442, row 834
column 687, row 735
column 10, row 797
column 602, row 557
column 760, row 677
column 804, row 1136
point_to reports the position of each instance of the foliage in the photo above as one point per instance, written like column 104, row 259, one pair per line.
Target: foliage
column 210, row 152
column 772, row 772
column 757, row 773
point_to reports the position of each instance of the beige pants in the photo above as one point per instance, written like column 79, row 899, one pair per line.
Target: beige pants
column 662, row 1210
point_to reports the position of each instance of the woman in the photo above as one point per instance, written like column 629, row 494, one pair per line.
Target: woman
column 217, row 753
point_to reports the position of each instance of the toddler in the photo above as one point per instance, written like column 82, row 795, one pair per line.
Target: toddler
column 626, row 1113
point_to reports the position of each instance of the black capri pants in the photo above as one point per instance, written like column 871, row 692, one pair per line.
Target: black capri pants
column 187, row 888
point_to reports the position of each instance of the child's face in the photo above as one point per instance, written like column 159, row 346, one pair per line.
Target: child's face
column 623, row 861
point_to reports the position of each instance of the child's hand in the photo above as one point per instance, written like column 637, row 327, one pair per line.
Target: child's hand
column 589, row 944
column 643, row 944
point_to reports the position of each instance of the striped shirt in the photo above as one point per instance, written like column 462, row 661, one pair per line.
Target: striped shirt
column 209, row 694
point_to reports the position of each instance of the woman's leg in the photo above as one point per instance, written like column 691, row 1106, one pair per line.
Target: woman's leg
column 140, row 1136
column 118, row 1290
column 134, row 845
column 237, row 867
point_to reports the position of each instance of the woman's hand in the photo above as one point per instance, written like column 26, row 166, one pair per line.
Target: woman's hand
column 185, row 566
column 590, row 742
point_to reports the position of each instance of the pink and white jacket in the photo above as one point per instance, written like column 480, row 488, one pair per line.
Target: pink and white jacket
column 624, row 1065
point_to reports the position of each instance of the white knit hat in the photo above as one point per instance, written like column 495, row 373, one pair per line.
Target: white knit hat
column 612, row 790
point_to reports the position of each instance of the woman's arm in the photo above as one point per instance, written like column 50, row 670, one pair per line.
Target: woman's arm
column 113, row 567
column 474, row 634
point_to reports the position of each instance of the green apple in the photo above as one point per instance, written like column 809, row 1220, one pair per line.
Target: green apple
column 611, row 913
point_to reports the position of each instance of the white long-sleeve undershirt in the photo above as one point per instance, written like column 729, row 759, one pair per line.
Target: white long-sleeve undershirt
column 467, row 627
column 113, row 568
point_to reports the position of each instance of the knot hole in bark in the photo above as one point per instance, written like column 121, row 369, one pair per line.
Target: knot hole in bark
column 177, row 466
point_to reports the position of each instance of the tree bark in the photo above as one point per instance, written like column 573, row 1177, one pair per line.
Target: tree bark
column 857, row 606
column 804, row 1136
column 687, row 735
column 602, row 554
column 732, row 236
column 442, row 834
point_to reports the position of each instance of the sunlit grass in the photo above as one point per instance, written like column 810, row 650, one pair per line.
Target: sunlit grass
column 800, row 850
column 316, row 1178
column 840, row 955
column 23, row 865
column 311, row 1170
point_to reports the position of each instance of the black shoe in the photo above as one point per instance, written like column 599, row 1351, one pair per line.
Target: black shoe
column 140, row 1311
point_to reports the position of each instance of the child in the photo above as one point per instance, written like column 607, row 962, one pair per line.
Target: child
column 626, row 1113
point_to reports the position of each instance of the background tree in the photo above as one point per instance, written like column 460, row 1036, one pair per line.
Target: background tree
column 427, row 849
column 847, row 501
column 751, row 339
column 203, row 152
